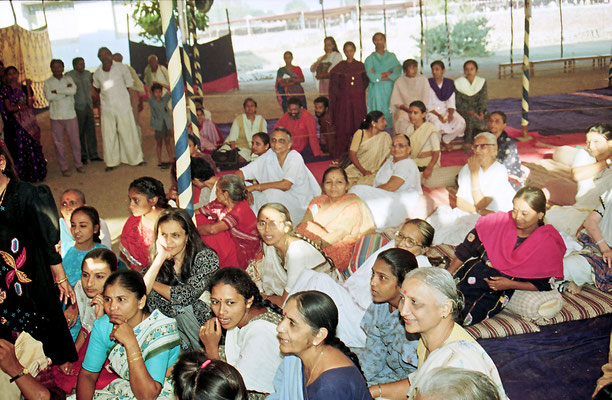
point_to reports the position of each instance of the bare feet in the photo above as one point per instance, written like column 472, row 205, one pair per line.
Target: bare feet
column 573, row 288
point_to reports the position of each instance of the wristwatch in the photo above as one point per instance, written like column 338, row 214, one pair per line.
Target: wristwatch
column 608, row 163
column 19, row 375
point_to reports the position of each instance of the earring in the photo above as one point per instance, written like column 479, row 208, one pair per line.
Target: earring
column 444, row 317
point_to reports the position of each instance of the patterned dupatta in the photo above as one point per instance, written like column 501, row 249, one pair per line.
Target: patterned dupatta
column 155, row 334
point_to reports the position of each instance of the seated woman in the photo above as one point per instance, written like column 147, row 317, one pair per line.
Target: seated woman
column 317, row 364
column 139, row 345
column 147, row 201
column 249, row 323
column 336, row 220
column 286, row 254
column 194, row 152
column 178, row 275
column 282, row 176
column 98, row 265
column 389, row 355
column 507, row 251
column 472, row 101
column 369, row 149
column 195, row 377
column 591, row 170
column 441, row 106
column 288, row 84
column 397, row 187
column 593, row 264
column 429, row 305
column 243, row 128
column 483, row 189
column 260, row 144
column 228, row 225
column 415, row 236
column 201, row 172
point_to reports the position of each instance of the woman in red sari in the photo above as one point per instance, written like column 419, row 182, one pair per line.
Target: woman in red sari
column 347, row 103
column 147, row 201
column 228, row 225
column 288, row 82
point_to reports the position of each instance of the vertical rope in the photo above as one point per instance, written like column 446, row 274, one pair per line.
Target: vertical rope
column 561, row 22
column 360, row 38
column 525, row 101
column 511, row 38
column 179, row 117
column 323, row 17
column 385, row 15
column 422, row 35
column 196, row 52
column 448, row 43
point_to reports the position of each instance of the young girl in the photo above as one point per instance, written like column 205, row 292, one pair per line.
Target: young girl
column 424, row 138
column 228, row 225
column 97, row 265
column 147, row 200
column 197, row 378
column 249, row 323
column 260, row 144
column 85, row 228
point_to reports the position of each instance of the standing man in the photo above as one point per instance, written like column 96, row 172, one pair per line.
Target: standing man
column 60, row 91
column 119, row 134
column 327, row 129
column 156, row 73
column 302, row 126
column 83, row 105
column 136, row 90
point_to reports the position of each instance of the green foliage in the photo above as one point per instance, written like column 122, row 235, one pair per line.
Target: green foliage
column 467, row 38
column 147, row 16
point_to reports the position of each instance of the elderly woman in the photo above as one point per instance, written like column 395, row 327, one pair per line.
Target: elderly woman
column 483, row 188
column 442, row 106
column 507, row 251
column 325, row 63
column 244, row 127
column 453, row 383
column 369, row 149
column 337, row 219
column 429, row 304
column 397, row 186
column 472, row 101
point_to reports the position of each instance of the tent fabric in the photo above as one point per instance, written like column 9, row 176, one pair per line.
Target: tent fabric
column 30, row 53
column 217, row 62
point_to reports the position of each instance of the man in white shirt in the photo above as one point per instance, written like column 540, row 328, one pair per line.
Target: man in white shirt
column 60, row 91
column 119, row 133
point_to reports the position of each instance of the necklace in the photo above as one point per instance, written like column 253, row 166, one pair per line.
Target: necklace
column 2, row 196
column 315, row 367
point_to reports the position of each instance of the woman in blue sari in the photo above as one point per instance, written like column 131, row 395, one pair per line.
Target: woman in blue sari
column 382, row 68
column 288, row 82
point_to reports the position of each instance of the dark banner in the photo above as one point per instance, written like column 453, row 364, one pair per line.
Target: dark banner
column 218, row 65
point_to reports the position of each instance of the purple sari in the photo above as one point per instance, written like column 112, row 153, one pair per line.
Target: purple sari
column 22, row 134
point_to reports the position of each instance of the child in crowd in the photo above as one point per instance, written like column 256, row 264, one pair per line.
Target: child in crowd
column 161, row 122
column 85, row 228
column 97, row 265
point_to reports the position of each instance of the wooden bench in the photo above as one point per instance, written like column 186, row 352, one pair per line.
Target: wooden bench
column 569, row 65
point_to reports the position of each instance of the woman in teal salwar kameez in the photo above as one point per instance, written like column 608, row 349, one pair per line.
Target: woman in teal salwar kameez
column 382, row 68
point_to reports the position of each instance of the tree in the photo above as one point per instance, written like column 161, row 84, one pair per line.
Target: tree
column 146, row 14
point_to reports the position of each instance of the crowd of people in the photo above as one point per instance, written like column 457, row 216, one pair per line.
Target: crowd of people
column 254, row 298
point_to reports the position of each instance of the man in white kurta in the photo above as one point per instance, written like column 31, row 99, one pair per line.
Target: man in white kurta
column 119, row 133
column 407, row 88
column 282, row 177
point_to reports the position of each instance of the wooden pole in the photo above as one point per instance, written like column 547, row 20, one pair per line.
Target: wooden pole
column 385, row 16
column 561, row 22
column 422, row 34
column 448, row 42
column 511, row 38
column 360, row 38
column 323, row 17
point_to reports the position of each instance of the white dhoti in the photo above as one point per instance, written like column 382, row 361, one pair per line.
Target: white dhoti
column 449, row 130
column 388, row 209
column 295, row 205
column 120, row 138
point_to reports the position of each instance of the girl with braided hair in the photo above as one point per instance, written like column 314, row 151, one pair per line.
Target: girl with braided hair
column 324, row 368
column 286, row 254
column 249, row 323
column 147, row 199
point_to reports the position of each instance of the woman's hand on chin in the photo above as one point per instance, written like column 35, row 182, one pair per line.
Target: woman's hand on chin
column 122, row 332
column 161, row 250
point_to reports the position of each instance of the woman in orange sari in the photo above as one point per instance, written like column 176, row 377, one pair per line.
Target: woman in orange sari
column 337, row 219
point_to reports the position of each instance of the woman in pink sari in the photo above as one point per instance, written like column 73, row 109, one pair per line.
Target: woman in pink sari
column 288, row 82
column 228, row 225
column 337, row 219
column 507, row 251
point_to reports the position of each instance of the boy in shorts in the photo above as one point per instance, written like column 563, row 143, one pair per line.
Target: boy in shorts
column 161, row 122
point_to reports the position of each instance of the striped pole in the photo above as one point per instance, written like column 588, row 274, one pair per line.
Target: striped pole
column 525, row 102
column 196, row 53
column 179, row 117
column 192, row 108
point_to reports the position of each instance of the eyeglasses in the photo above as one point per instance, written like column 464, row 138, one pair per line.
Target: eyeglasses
column 261, row 225
column 71, row 203
column 400, row 237
column 482, row 146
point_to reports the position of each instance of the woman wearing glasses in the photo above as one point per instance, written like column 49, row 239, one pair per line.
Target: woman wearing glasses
column 286, row 254
column 483, row 189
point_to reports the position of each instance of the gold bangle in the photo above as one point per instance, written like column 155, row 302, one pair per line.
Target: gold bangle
column 61, row 281
column 134, row 359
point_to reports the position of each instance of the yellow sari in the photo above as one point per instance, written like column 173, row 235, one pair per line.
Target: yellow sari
column 371, row 154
